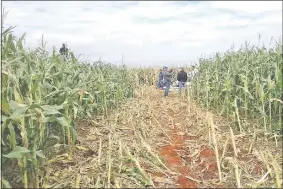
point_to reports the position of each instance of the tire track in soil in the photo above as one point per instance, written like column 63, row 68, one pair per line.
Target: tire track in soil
column 174, row 156
column 174, row 160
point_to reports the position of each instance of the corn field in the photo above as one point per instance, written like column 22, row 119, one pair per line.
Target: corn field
column 43, row 96
column 243, row 85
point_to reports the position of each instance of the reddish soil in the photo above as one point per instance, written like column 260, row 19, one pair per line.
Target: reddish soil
column 258, row 168
column 207, row 152
column 174, row 160
column 173, row 155
column 209, row 163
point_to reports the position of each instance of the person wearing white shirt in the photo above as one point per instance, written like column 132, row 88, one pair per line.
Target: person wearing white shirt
column 193, row 73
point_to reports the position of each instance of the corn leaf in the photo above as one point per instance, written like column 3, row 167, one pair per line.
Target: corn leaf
column 5, row 183
column 40, row 154
column 4, row 105
column 19, row 113
column 50, row 110
column 62, row 121
column 18, row 152
column 12, row 136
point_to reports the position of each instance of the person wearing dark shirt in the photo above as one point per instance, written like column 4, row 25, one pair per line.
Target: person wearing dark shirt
column 167, row 76
column 63, row 50
column 182, row 78
column 160, row 80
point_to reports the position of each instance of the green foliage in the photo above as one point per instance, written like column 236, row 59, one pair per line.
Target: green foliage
column 17, row 152
column 243, row 82
column 43, row 96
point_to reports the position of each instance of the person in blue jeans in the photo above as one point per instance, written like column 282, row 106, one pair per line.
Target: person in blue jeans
column 182, row 78
column 167, row 75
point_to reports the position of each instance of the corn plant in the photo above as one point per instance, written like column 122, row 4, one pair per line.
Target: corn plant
column 43, row 96
column 243, row 83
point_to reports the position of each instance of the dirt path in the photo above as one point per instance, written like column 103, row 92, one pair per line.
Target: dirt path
column 158, row 142
column 176, row 155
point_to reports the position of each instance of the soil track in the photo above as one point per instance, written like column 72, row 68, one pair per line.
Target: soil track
column 178, row 158
column 175, row 133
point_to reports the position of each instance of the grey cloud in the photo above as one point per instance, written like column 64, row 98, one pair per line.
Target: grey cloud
column 108, row 29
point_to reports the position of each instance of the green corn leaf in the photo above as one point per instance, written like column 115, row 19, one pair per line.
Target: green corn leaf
column 5, row 183
column 4, row 105
column 14, row 105
column 52, row 94
column 20, row 42
column 62, row 121
column 40, row 154
column 6, row 122
column 75, row 135
column 18, row 152
column 12, row 136
column 19, row 112
column 33, row 106
column 3, row 118
column 47, row 85
column 8, row 30
column 50, row 110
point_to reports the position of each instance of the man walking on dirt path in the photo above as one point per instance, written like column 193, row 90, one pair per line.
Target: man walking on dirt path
column 182, row 79
column 167, row 75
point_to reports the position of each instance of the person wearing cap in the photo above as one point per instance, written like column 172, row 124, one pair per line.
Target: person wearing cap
column 182, row 79
column 167, row 75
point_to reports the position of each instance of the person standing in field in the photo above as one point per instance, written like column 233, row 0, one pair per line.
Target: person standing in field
column 193, row 73
column 63, row 50
column 160, row 80
column 167, row 75
column 182, row 78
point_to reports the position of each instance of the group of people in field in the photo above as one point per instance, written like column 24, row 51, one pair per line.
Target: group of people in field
column 165, row 78
column 165, row 75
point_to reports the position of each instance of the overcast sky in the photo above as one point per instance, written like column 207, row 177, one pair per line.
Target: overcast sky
column 147, row 33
